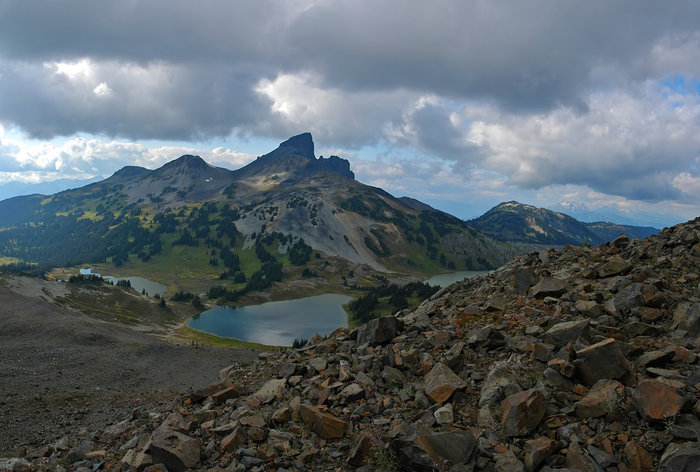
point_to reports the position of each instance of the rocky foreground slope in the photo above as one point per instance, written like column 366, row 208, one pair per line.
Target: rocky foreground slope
column 580, row 359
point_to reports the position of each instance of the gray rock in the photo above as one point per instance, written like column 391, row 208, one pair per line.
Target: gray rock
column 680, row 457
column 379, row 331
column 523, row 412
column 427, row 451
column 691, row 321
column 176, row 451
column 549, row 287
column 602, row 360
column 567, row 332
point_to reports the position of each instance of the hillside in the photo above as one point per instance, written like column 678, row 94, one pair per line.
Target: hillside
column 286, row 208
column 584, row 358
column 517, row 222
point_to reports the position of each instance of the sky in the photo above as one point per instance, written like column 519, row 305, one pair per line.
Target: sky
column 587, row 106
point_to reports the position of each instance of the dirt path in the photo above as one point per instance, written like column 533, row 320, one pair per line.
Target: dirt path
column 62, row 372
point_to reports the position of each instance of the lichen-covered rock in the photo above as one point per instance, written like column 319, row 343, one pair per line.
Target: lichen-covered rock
column 656, row 400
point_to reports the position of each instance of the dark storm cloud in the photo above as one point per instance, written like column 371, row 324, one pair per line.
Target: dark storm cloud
column 534, row 54
column 541, row 92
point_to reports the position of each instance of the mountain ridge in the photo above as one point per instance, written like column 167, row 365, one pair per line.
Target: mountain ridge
column 283, row 200
column 518, row 222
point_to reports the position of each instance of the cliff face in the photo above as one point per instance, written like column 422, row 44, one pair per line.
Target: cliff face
column 584, row 358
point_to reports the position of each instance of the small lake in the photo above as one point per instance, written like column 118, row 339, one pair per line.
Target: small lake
column 137, row 283
column 443, row 280
column 276, row 323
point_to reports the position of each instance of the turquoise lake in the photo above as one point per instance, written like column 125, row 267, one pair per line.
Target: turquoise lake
column 276, row 323
column 137, row 283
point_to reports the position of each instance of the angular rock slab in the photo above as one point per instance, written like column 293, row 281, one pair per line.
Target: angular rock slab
column 379, row 331
column 537, row 450
column 680, row 457
column 601, row 400
column 323, row 424
column 602, row 360
column 523, row 412
column 656, row 400
column 549, row 287
column 427, row 451
column 616, row 265
column 441, row 383
column 566, row 332
column 271, row 389
column 176, row 451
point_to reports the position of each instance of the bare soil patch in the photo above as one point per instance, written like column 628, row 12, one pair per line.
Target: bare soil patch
column 63, row 371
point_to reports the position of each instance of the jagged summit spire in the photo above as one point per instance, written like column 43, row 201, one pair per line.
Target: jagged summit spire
column 302, row 143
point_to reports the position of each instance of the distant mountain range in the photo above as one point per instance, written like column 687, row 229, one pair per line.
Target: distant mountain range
column 287, row 207
column 285, row 211
column 517, row 222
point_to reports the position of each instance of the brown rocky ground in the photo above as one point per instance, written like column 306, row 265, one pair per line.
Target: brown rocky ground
column 580, row 359
column 62, row 372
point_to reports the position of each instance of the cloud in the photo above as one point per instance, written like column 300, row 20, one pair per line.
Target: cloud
column 155, row 100
column 503, row 95
column 80, row 158
column 298, row 102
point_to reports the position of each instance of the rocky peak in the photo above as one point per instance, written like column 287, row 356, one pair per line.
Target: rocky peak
column 296, row 156
column 301, row 144
column 187, row 164
column 128, row 173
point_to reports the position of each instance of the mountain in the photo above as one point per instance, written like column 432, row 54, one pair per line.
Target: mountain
column 517, row 222
column 12, row 189
column 287, row 207
column 584, row 213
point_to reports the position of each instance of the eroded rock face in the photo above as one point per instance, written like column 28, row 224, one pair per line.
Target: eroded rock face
column 508, row 372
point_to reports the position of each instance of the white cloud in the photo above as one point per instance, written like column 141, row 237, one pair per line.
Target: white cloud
column 80, row 158
column 299, row 102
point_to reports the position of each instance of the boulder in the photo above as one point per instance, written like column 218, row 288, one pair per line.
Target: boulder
column 567, row 332
column 233, row 440
column 589, row 308
column 361, row 450
column 271, row 389
column 656, row 400
column 379, row 331
column 680, row 457
column 227, row 393
column 637, row 459
column 548, row 287
column 604, row 398
column 523, row 412
column 523, row 279
column 322, row 423
column 427, row 451
column 176, row 451
column 602, row 360
column 537, row 450
column 691, row 321
column 616, row 265
column 577, row 458
column 441, row 383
